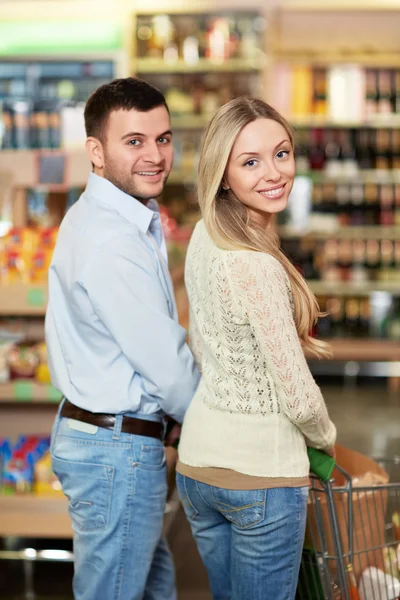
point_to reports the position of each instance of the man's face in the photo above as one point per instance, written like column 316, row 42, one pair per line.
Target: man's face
column 138, row 152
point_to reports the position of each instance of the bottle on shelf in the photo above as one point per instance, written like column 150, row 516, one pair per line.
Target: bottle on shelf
column 371, row 104
column 352, row 317
column 386, row 205
column 384, row 92
column 396, row 216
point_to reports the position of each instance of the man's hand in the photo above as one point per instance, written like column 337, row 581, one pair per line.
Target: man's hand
column 173, row 435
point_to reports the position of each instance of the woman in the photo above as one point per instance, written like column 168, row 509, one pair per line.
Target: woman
column 243, row 469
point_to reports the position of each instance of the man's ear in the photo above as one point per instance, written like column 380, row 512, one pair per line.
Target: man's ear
column 95, row 151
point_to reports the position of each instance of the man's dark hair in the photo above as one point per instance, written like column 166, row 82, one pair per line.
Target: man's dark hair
column 126, row 94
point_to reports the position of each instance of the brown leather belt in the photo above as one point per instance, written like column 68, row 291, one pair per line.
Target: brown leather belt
column 132, row 425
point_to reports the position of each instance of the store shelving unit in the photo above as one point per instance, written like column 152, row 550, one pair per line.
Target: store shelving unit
column 368, row 38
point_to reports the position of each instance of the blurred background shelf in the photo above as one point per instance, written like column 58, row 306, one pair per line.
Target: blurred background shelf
column 352, row 288
column 23, row 299
column 146, row 66
column 35, row 516
column 375, row 232
column 26, row 391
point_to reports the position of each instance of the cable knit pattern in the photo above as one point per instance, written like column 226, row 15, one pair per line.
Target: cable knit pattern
column 257, row 400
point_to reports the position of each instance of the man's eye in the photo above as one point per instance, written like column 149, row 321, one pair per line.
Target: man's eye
column 133, row 142
column 163, row 140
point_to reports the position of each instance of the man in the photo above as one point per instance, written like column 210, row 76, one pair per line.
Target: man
column 116, row 350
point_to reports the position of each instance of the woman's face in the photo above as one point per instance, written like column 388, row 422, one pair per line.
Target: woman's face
column 261, row 169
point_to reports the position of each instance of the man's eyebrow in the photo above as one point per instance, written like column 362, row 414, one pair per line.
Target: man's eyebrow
column 138, row 134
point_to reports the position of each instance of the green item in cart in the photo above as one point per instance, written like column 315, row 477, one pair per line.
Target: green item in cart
column 309, row 586
column 321, row 464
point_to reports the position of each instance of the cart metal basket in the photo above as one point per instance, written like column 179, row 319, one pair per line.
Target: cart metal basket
column 352, row 546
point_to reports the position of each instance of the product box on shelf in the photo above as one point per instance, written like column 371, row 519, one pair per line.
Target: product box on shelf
column 26, row 467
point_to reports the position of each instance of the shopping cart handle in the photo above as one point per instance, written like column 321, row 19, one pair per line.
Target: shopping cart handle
column 321, row 464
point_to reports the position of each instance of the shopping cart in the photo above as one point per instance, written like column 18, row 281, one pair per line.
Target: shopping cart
column 352, row 546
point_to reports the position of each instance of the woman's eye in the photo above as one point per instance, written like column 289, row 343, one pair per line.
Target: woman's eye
column 283, row 153
column 250, row 163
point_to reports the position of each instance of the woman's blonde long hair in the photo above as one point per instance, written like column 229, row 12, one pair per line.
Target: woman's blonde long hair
column 227, row 219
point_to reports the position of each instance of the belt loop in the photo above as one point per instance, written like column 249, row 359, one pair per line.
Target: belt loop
column 117, row 427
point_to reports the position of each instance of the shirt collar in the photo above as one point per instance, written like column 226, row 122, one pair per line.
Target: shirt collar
column 127, row 206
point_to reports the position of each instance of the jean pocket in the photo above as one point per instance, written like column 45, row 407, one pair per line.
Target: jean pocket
column 243, row 508
column 152, row 457
column 190, row 511
column 88, row 488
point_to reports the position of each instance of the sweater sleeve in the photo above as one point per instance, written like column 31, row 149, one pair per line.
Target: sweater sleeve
column 262, row 290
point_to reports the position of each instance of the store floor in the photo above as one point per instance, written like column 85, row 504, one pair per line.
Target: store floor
column 367, row 418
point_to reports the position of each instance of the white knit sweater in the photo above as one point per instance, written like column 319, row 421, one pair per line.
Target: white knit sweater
column 257, row 405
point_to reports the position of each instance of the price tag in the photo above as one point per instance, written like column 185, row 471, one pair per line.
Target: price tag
column 36, row 297
column 23, row 391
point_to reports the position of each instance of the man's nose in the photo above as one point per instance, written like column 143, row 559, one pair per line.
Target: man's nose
column 153, row 154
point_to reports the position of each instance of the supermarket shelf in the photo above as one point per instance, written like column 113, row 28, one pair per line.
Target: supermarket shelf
column 190, row 121
column 23, row 167
column 338, row 5
column 363, row 232
column 390, row 122
column 350, row 288
column 234, row 65
column 371, row 60
column 361, row 176
column 363, row 350
column 182, row 177
column 34, row 516
column 25, row 390
column 20, row 299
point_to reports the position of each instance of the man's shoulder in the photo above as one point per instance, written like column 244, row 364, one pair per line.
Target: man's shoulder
column 98, row 223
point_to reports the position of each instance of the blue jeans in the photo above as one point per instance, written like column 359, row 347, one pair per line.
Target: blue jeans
column 250, row 540
column 116, row 485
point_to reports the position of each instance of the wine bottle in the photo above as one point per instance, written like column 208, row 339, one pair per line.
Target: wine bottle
column 358, row 270
column 365, row 316
column 396, row 216
column 363, row 149
column 352, row 317
column 332, row 153
column 316, row 152
column 384, row 92
column 320, row 94
column 330, row 263
column 343, row 203
column 397, row 92
column 357, row 202
column 371, row 194
column 335, row 307
column 382, row 156
column 395, row 148
column 386, row 205
column 372, row 258
column 345, row 259
column 387, row 257
column 371, row 93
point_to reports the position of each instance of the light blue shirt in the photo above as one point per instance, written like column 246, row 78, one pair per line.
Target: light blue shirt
column 113, row 338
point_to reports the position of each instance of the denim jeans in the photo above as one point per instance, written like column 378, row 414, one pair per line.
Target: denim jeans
column 250, row 540
column 116, row 485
